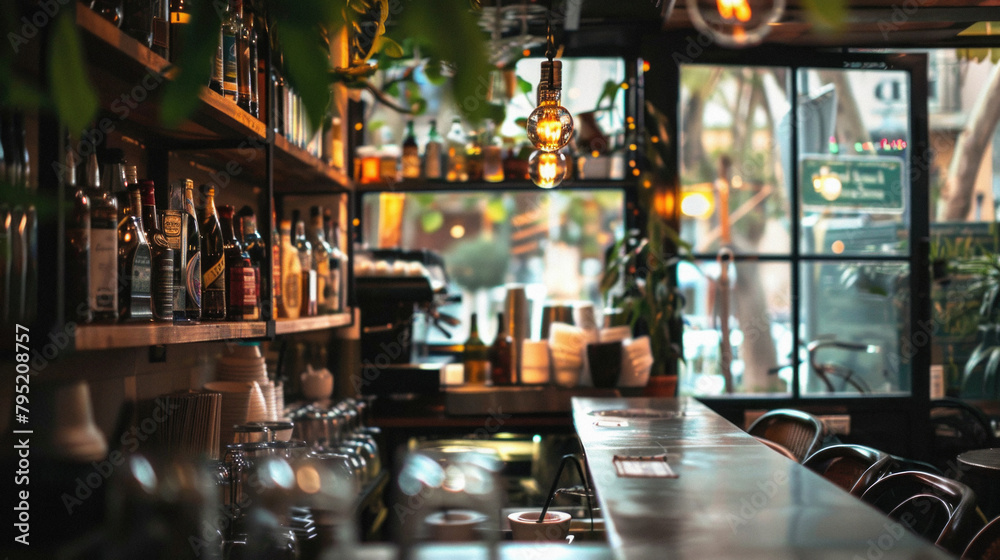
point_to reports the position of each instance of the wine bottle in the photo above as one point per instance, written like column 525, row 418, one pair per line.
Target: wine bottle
column 230, row 51
column 213, row 260
column 475, row 356
column 103, row 246
column 291, row 275
column 457, row 170
column 192, row 272
column 163, row 255
column 411, row 154
column 243, row 66
column 304, row 248
column 322, row 252
column 180, row 17
column 501, row 370
column 175, row 223
column 241, row 282
column 256, row 249
column 337, row 263
column 114, row 179
column 135, row 263
column 77, row 268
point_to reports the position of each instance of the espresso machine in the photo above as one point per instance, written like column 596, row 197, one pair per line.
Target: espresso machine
column 393, row 286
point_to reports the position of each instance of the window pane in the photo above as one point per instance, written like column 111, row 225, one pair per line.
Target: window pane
column 551, row 241
column 757, row 320
column 734, row 179
column 855, row 315
column 853, row 135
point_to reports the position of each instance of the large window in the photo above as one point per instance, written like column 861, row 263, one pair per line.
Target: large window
column 552, row 242
column 801, row 229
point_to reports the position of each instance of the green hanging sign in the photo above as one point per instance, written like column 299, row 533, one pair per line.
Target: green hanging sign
column 861, row 183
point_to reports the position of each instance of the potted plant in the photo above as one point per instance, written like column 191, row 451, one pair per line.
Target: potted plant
column 639, row 273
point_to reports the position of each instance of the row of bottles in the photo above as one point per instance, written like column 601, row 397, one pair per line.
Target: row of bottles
column 460, row 156
column 145, row 20
column 236, row 72
column 18, row 224
column 312, row 266
column 136, row 263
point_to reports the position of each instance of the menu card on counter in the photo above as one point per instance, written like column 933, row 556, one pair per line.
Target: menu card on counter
column 654, row 466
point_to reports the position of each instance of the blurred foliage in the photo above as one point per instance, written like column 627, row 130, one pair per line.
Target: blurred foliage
column 478, row 263
column 443, row 30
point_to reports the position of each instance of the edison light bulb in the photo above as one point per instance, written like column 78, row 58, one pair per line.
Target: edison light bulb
column 547, row 169
column 550, row 125
column 735, row 23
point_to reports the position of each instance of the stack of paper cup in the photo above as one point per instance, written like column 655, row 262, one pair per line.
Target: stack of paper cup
column 585, row 318
column 535, row 364
column 516, row 314
column 637, row 362
column 567, row 344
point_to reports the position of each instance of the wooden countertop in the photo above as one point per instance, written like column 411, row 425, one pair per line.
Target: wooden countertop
column 733, row 497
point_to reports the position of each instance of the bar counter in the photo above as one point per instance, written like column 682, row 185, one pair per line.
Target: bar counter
column 732, row 498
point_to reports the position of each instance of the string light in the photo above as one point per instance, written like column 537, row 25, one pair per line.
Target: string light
column 550, row 125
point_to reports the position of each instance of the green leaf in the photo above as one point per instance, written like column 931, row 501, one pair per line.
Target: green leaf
column 387, row 46
column 201, row 42
column 431, row 221
column 827, row 15
column 74, row 98
column 447, row 30
column 524, row 85
column 308, row 65
column 434, row 71
column 496, row 212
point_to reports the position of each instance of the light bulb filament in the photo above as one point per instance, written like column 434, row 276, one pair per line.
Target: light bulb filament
column 547, row 170
column 738, row 10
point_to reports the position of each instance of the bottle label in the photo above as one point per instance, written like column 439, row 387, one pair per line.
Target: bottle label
column 237, row 286
column 194, row 280
column 104, row 269
column 141, row 282
column 173, row 228
column 249, row 302
column 323, row 284
column 334, row 302
column 212, row 277
column 229, row 70
column 292, row 291
column 276, row 270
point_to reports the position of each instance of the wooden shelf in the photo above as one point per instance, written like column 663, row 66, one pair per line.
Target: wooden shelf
column 417, row 185
column 130, row 80
column 297, row 171
column 103, row 337
column 320, row 322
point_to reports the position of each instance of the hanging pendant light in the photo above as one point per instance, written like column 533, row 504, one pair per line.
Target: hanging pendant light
column 735, row 23
column 550, row 125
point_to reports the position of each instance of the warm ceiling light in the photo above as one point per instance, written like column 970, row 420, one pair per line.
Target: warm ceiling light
column 550, row 125
column 735, row 23
column 697, row 204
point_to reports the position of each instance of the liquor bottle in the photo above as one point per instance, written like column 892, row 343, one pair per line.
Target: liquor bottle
column 180, row 17
column 192, row 271
column 501, row 370
column 213, row 260
column 115, row 180
column 135, row 262
column 322, row 252
column 103, row 246
column 161, row 27
column 275, row 279
column 256, row 249
column 291, row 275
column 338, row 264
column 174, row 222
column 251, row 25
column 456, row 170
column 244, row 71
column 77, row 270
column 163, row 255
column 304, row 248
column 218, row 66
column 230, row 53
column 492, row 156
column 241, row 282
column 474, row 156
column 411, row 154
column 475, row 356
column 432, row 153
